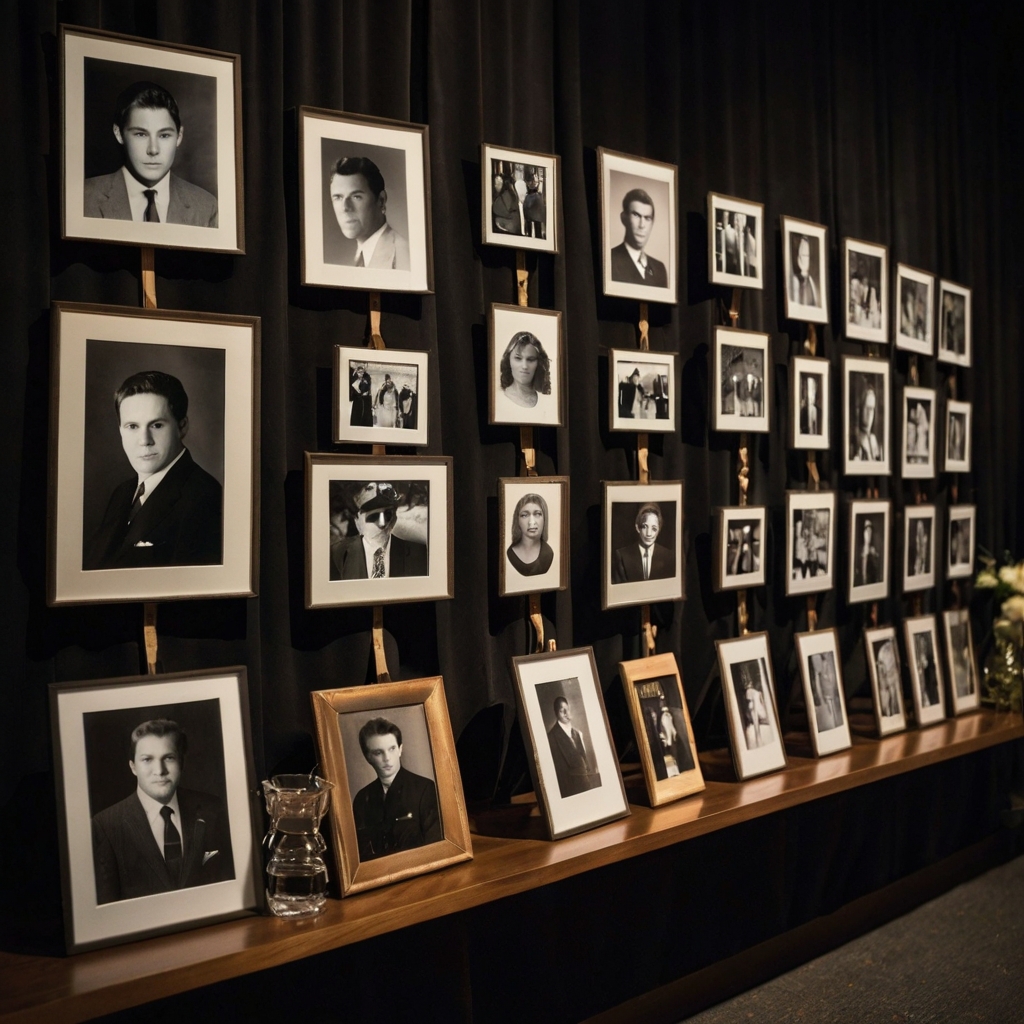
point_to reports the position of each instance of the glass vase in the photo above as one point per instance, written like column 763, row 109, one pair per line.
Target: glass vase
column 1004, row 666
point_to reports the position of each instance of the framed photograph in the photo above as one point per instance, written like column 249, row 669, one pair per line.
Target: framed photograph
column 868, row 544
column 641, row 391
column 954, row 323
column 519, row 197
column 152, row 134
column 380, row 396
column 866, row 291
column 805, row 270
column 919, row 547
column 639, row 240
column 821, row 671
column 883, row 658
column 922, row 639
column 140, row 492
column 915, row 300
column 378, row 529
column 151, row 841
column 750, row 708
column 533, row 513
column 866, row 415
column 739, row 389
column 810, row 541
column 641, row 543
column 735, row 242
column 525, row 365
column 738, row 547
column 960, row 541
column 919, row 420
column 397, row 807
column 958, row 437
column 568, row 741
column 364, row 200
column 963, row 669
column 810, row 404
column 661, row 721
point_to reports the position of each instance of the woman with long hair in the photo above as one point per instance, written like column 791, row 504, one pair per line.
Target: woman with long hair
column 525, row 370
column 529, row 553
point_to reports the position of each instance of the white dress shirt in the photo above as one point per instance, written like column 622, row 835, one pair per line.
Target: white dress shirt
column 138, row 202
column 367, row 248
column 152, row 809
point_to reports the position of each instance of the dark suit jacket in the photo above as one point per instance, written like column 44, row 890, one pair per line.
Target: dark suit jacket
column 624, row 269
column 107, row 196
column 575, row 772
column 128, row 863
column 348, row 562
column 404, row 819
column 628, row 567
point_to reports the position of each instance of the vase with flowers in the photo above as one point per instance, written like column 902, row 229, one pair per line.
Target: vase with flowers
column 1004, row 665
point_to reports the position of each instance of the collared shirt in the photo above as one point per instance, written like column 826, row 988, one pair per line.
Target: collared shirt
column 635, row 255
column 151, row 808
column 138, row 202
column 367, row 248
column 369, row 550
column 153, row 481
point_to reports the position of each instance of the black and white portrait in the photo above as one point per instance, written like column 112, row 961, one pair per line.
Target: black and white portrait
column 519, row 198
column 642, row 393
column 954, row 324
column 866, row 290
column 868, row 547
column 525, row 361
column 866, row 416
column 810, row 541
column 883, row 660
column 821, row 675
column 804, row 248
column 958, row 437
column 380, row 397
column 960, row 541
column 963, row 672
column 754, row 701
column 919, row 547
column 810, row 403
column 914, row 297
column 735, row 242
column 738, row 538
column 919, row 444
column 739, row 395
column 534, row 540
column 568, row 736
column 921, row 637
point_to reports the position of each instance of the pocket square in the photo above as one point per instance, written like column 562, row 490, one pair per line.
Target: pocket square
column 143, row 543
column 404, row 817
column 209, row 854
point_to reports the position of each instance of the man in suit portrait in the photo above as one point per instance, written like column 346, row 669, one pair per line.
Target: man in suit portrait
column 866, row 564
column 810, row 408
column 360, row 203
column 375, row 553
column 161, row 837
column 398, row 810
column 646, row 559
column 630, row 261
column 574, row 766
column 169, row 512
column 148, row 128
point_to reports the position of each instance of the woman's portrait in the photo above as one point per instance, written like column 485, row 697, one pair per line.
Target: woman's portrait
column 525, row 356
column 533, row 541
column 525, row 370
column 530, row 554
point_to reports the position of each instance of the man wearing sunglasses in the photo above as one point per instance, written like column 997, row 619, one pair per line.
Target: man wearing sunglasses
column 375, row 553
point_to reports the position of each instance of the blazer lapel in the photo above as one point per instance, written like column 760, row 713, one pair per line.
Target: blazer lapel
column 138, row 826
column 161, row 502
column 115, row 204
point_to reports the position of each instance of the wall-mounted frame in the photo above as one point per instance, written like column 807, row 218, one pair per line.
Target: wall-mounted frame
column 810, row 541
column 739, row 381
column 954, row 323
column 738, row 547
column 805, row 270
column 913, row 310
column 810, row 403
column 519, row 198
column 919, row 431
column 380, row 397
column 919, row 528
column 641, row 391
column 735, row 242
column 533, row 539
column 958, row 437
column 964, row 692
column 865, row 291
column 525, row 365
column 883, row 658
column 821, row 672
column 960, row 541
column 869, row 542
column 922, row 639
column 867, row 413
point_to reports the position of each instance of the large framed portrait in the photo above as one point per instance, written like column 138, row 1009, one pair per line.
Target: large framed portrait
column 519, row 198
column 810, row 403
column 738, row 551
column 750, row 706
column 964, row 691
column 735, row 241
column 958, row 437
column 533, row 544
column 568, row 741
column 525, row 365
column 661, row 721
column 919, row 422
column 397, row 807
column 153, row 841
column 641, row 391
column 152, row 134
column 639, row 233
column 378, row 529
column 868, row 545
column 739, row 385
column 364, row 200
column 381, row 396
column 960, row 541
column 915, row 300
column 919, row 526
column 641, row 542
column 865, row 291
column 866, row 415
column 821, row 672
column 810, row 541
column 954, row 323
column 922, row 639
column 141, row 488
column 883, row 658
column 805, row 270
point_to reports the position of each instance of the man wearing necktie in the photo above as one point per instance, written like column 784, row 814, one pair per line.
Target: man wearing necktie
column 646, row 559
column 575, row 768
column 360, row 203
column 631, row 262
column 810, row 414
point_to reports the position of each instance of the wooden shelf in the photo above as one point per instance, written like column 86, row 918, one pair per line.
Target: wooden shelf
column 58, row 989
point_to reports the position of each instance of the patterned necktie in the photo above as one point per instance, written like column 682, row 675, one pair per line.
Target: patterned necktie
column 151, row 214
column 136, row 502
column 378, row 564
column 172, row 845
column 359, row 259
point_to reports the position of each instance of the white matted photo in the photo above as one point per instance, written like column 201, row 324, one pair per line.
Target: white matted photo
column 739, row 385
column 821, row 671
column 519, row 197
column 866, row 415
column 960, row 541
column 919, row 422
column 810, row 541
column 738, row 546
column 380, row 396
column 805, row 270
column 868, row 545
column 958, row 437
column 735, row 242
column 364, row 202
column 915, row 301
column 954, row 323
column 533, row 542
column 919, row 527
column 642, row 391
column 883, row 658
column 525, row 365
column 964, row 690
column 865, row 291
column 810, row 405
column 922, row 639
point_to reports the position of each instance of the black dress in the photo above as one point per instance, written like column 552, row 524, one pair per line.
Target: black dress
column 538, row 566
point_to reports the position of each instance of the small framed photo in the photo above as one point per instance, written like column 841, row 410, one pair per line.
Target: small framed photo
column 919, row 420
column 525, row 365
column 963, row 669
column 954, row 323
column 661, row 721
column 735, row 242
column 641, row 543
column 519, row 196
column 152, row 841
column 810, row 541
column 397, row 807
column 922, row 639
column 919, row 547
column 749, row 691
column 140, row 492
column 534, row 539
column 868, row 545
column 380, row 396
column 866, row 415
column 960, row 541
column 639, row 240
column 152, row 150
column 805, row 270
column 738, row 547
column 642, row 391
column 739, row 392
column 568, row 741
column 915, row 300
column 364, row 200
column 821, row 671
column 958, row 437
column 378, row 529
column 866, row 291
column 810, row 407
column 883, row 658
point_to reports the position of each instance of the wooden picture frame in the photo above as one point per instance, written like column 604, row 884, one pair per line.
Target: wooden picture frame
column 866, row 291
column 869, row 543
column 810, row 541
column 914, row 310
column 641, row 391
column 962, row 520
column 920, row 524
column 883, row 657
column 810, row 403
column 964, row 684
column 805, row 270
column 526, row 506
column 921, row 636
column 957, row 447
column 369, row 411
column 867, row 415
column 920, row 422
column 954, row 324
column 821, row 672
column 520, row 217
column 740, row 389
column 738, row 544
column 735, row 241
column 525, row 366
